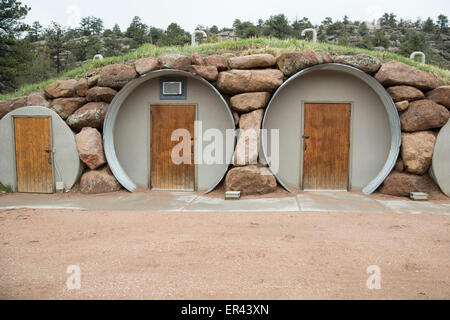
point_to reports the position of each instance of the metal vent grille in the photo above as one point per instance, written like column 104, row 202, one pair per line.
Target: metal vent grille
column 172, row 88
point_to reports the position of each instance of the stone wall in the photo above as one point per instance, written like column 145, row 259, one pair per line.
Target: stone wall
column 247, row 83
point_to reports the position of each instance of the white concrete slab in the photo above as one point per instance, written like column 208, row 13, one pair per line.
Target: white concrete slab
column 170, row 202
column 338, row 202
column 191, row 202
column 48, row 207
column 415, row 207
column 205, row 204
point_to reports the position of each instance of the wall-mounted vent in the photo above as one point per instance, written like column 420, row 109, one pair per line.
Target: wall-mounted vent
column 173, row 89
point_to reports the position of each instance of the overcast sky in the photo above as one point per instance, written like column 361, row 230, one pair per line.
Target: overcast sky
column 189, row 14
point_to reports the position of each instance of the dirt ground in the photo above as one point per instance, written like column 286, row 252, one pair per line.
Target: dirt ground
column 148, row 255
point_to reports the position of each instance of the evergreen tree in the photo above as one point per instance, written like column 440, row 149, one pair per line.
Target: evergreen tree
column 112, row 47
column 138, row 32
column 35, row 31
column 379, row 39
column 388, row 20
column 428, row 25
column 91, row 25
column 41, row 67
column 442, row 24
column 346, row 20
column 363, row 30
column 278, row 26
column 414, row 41
column 299, row 25
column 327, row 21
column 56, row 44
column 245, row 29
column 116, row 30
column 13, row 52
column 214, row 29
column 175, row 36
column 156, row 35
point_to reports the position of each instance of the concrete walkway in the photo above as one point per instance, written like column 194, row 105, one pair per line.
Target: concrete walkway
column 192, row 202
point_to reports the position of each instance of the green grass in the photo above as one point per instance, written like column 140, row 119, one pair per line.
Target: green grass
column 240, row 47
column 5, row 189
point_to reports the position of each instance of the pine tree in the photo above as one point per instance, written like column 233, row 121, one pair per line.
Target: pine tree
column 35, row 32
column 56, row 43
column 13, row 52
column 428, row 25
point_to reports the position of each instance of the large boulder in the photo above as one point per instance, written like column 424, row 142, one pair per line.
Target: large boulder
column 417, row 151
column 37, row 99
column 360, row 61
column 197, row 60
column 99, row 181
column 82, row 87
column 19, row 102
column 402, row 184
column 401, row 93
column 92, row 80
column 175, row 61
column 66, row 106
column 250, row 180
column 440, row 95
column 220, row 62
column 247, row 146
column 246, row 102
column 91, row 114
column 5, row 107
column 292, row 62
column 90, row 147
column 423, row 115
column 397, row 73
column 61, row 89
column 116, row 76
column 146, row 65
column 252, row 61
column 98, row 94
column 240, row 81
column 210, row 73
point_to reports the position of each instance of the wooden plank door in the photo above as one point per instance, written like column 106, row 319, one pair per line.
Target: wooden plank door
column 165, row 174
column 326, row 146
column 33, row 155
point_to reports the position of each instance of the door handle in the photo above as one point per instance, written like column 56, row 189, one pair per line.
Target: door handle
column 305, row 137
column 48, row 150
column 306, row 146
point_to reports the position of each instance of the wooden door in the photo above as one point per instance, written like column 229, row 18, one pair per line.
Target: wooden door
column 165, row 174
column 326, row 146
column 33, row 155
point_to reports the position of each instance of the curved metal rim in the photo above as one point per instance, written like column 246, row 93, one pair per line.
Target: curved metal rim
column 438, row 164
column 394, row 120
column 113, row 111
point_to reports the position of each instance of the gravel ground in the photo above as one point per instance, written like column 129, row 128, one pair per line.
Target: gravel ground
column 149, row 255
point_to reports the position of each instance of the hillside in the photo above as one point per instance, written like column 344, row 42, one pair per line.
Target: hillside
column 233, row 48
